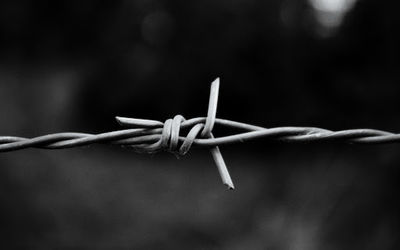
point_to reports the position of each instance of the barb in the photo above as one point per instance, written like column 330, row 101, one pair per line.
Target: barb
column 151, row 136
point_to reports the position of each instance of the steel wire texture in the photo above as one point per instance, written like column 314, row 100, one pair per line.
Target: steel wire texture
column 151, row 136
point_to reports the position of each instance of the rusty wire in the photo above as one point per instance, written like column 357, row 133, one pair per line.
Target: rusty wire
column 151, row 136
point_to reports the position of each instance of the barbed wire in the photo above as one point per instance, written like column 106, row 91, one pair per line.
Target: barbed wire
column 152, row 136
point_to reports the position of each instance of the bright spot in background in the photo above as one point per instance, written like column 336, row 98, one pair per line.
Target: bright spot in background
column 332, row 5
column 330, row 13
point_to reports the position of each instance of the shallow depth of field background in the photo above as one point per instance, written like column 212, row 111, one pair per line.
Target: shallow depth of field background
column 73, row 66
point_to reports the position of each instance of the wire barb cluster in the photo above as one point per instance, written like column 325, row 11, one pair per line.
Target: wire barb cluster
column 151, row 136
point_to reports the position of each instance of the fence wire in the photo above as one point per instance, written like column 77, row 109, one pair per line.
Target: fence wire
column 151, row 136
column 142, row 139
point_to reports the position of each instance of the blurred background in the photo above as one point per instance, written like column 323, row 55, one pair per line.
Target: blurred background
column 74, row 65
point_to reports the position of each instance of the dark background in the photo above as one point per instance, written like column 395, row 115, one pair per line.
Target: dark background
column 74, row 65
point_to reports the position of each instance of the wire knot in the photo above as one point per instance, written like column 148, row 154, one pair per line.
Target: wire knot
column 168, row 137
column 169, row 140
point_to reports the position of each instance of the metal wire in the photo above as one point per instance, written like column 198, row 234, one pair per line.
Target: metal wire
column 152, row 136
column 137, row 138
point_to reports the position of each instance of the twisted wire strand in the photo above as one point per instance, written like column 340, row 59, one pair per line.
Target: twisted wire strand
column 147, row 137
column 151, row 136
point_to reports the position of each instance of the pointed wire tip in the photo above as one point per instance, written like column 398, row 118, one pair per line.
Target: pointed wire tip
column 230, row 186
column 124, row 121
column 119, row 119
column 215, row 82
